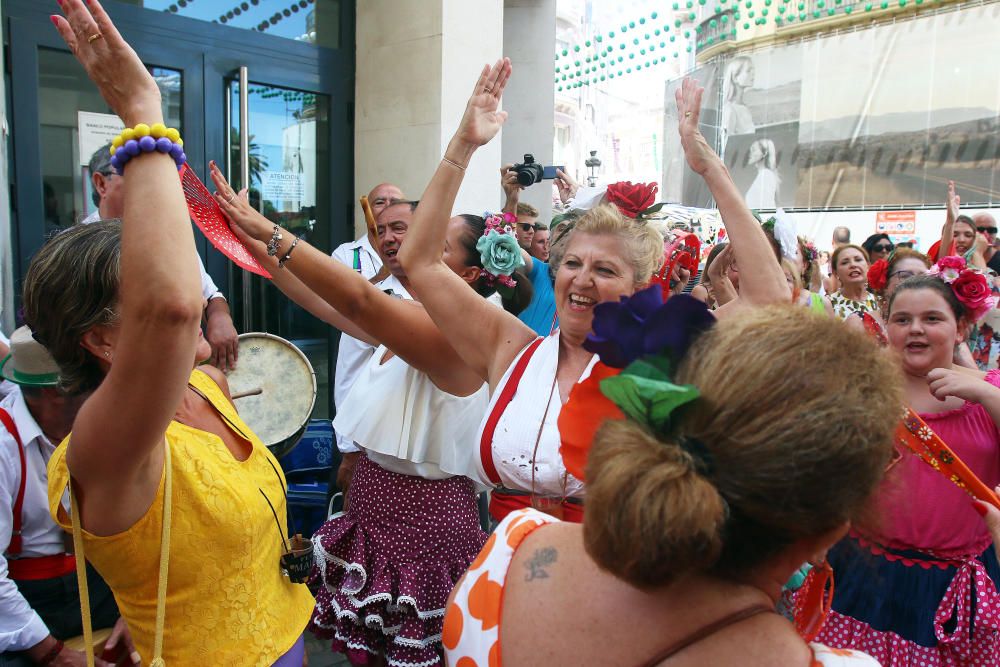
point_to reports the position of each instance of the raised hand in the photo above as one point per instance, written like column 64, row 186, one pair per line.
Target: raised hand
column 113, row 66
column 482, row 119
column 246, row 223
column 566, row 185
column 699, row 154
column 954, row 202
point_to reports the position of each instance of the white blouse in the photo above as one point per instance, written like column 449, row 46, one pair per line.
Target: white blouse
column 521, row 426
column 409, row 426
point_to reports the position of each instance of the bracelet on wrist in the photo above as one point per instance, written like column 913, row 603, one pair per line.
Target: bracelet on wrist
column 52, row 654
column 135, row 141
column 448, row 160
column 288, row 255
column 272, row 245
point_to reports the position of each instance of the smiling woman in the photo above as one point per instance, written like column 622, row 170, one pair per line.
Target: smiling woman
column 607, row 257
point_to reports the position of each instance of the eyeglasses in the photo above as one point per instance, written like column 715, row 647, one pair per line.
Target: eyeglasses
column 882, row 247
column 987, row 230
column 903, row 275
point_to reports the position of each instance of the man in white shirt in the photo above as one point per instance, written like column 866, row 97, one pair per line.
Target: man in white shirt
column 109, row 197
column 352, row 353
column 39, row 597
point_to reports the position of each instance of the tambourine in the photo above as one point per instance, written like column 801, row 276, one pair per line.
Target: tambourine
column 684, row 251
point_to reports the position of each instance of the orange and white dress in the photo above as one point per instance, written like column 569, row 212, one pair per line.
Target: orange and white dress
column 471, row 632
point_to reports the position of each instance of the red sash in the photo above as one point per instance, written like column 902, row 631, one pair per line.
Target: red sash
column 916, row 436
column 43, row 567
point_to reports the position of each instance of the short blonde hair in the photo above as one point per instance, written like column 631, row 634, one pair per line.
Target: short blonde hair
column 643, row 243
column 786, row 462
column 527, row 210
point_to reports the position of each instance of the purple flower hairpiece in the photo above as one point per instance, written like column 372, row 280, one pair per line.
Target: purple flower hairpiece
column 643, row 324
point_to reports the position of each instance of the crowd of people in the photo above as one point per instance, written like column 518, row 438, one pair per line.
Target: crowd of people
column 738, row 454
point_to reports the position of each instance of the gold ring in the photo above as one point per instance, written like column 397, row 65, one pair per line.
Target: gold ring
column 93, row 38
column 687, row 113
column 231, row 199
column 489, row 89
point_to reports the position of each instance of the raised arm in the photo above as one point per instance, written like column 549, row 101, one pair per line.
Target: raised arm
column 345, row 299
column 952, row 207
column 118, row 433
column 765, row 284
column 487, row 338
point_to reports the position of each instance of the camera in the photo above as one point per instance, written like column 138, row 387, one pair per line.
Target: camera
column 529, row 172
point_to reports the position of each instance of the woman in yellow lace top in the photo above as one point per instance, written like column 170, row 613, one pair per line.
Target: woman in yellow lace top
column 119, row 305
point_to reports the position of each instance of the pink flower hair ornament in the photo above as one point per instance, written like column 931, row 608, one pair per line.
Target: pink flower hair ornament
column 971, row 288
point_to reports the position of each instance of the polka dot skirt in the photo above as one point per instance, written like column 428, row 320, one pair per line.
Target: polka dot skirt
column 384, row 569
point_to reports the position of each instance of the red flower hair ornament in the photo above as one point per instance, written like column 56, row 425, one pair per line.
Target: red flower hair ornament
column 878, row 275
column 634, row 200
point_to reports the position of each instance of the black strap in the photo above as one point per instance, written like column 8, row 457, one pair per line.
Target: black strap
column 706, row 631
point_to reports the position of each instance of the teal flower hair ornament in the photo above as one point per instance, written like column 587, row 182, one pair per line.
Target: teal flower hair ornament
column 498, row 250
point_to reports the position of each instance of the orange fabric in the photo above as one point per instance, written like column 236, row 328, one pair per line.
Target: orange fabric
column 915, row 435
column 581, row 416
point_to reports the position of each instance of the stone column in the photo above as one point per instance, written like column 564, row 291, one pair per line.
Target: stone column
column 417, row 61
column 529, row 35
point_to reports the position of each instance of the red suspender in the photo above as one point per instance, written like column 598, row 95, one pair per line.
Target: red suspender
column 506, row 395
column 15, row 537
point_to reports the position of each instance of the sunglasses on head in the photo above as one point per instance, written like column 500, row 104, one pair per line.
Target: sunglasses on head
column 987, row 230
column 882, row 247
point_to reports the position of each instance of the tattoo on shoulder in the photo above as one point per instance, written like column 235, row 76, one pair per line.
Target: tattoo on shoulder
column 541, row 559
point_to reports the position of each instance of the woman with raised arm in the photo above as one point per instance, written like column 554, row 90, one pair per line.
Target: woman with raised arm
column 175, row 501
column 385, row 567
column 607, row 256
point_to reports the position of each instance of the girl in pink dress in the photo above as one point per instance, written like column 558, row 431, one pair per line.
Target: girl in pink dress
column 916, row 585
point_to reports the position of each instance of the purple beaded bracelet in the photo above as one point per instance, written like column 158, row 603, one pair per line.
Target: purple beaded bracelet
column 147, row 144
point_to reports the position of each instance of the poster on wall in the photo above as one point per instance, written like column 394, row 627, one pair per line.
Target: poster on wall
column 94, row 131
column 680, row 184
column 761, row 99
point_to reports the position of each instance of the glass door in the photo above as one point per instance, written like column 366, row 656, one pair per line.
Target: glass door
column 283, row 162
column 299, row 114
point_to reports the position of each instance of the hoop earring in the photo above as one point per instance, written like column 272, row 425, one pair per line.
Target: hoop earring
column 814, row 601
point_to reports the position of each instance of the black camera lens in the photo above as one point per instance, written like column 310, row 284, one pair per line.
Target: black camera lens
column 529, row 172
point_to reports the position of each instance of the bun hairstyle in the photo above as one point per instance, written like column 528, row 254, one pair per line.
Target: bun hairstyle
column 643, row 243
column 72, row 286
column 514, row 303
column 762, row 459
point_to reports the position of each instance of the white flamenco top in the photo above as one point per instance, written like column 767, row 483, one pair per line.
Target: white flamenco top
column 518, row 429
column 409, row 426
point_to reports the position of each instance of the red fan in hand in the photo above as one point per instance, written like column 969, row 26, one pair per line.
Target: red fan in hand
column 205, row 212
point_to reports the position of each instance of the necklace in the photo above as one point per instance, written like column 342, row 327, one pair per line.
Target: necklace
column 552, row 506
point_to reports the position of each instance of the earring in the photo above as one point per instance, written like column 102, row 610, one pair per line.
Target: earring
column 814, row 601
column 107, row 354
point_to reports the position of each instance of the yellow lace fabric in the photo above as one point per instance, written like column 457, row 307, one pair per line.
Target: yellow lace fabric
column 227, row 602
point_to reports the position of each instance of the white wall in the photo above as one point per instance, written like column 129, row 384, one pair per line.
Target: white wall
column 416, row 64
column 529, row 36
column 819, row 226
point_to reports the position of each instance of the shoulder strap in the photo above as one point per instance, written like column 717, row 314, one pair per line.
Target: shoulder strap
column 914, row 434
column 16, row 543
column 706, row 631
column 161, row 588
column 506, row 395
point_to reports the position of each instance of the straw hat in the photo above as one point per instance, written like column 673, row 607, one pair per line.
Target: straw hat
column 29, row 363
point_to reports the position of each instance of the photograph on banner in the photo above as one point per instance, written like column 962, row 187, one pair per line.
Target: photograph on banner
column 761, row 98
column 892, row 113
column 680, row 184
